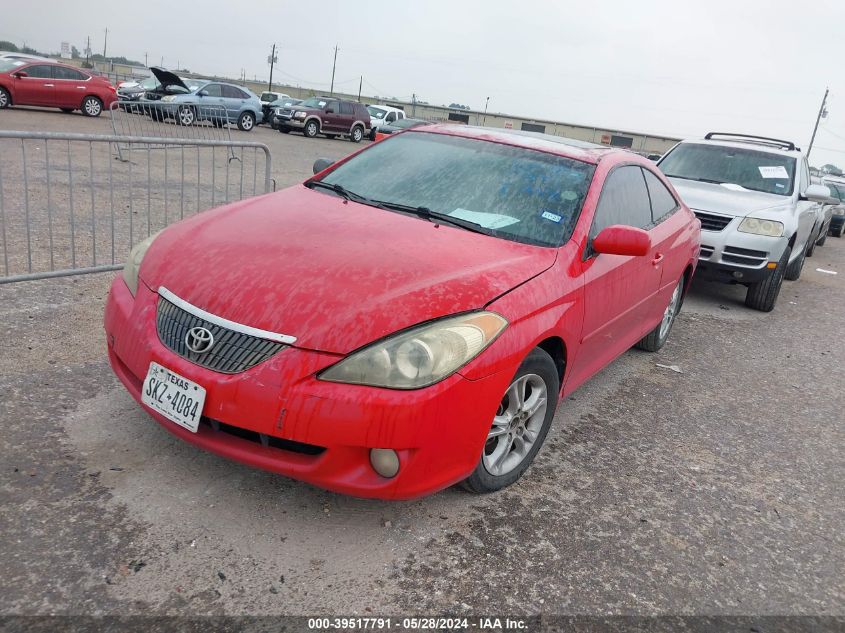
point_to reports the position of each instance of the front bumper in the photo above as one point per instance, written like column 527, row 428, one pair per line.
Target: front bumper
column 438, row 432
column 288, row 123
column 733, row 257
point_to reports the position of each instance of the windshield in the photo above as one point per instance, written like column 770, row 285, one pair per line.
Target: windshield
column 376, row 113
column 9, row 64
column 748, row 168
column 268, row 97
column 150, row 83
column 314, row 102
column 194, row 84
column 515, row 193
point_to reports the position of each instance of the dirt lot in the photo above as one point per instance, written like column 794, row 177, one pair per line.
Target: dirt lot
column 716, row 490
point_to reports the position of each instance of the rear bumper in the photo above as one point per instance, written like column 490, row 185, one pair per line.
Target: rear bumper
column 438, row 432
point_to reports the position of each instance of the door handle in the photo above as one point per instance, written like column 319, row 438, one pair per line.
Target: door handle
column 49, row 86
column 657, row 259
column 80, row 87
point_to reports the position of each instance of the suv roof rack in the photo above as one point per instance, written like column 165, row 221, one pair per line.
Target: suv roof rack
column 759, row 140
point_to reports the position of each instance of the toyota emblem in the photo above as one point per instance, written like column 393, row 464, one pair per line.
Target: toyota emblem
column 199, row 340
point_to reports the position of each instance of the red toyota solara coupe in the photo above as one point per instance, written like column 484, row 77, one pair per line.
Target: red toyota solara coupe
column 41, row 83
column 409, row 317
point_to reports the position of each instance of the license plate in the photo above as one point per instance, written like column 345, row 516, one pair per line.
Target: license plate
column 176, row 398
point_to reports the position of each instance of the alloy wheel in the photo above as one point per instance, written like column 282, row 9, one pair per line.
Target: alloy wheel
column 186, row 116
column 92, row 107
column 4, row 99
column 516, row 426
column 670, row 312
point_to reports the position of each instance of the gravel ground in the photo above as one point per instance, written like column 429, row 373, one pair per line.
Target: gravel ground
column 713, row 491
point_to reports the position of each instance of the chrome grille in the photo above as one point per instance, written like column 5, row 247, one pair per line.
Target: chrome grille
column 711, row 221
column 744, row 256
column 232, row 351
column 706, row 252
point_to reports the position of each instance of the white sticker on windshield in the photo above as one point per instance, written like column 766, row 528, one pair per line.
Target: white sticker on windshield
column 487, row 220
column 773, row 172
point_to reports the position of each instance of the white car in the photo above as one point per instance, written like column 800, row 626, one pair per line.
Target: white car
column 383, row 115
column 758, row 209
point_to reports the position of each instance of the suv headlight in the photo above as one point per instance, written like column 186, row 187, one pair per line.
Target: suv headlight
column 133, row 263
column 770, row 228
column 421, row 356
column 300, row 115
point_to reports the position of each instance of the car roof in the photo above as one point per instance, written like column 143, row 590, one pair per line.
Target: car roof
column 559, row 145
column 747, row 145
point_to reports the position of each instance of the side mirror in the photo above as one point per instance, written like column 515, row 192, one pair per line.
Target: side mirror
column 322, row 163
column 817, row 193
column 21, row 74
column 202, row 93
column 622, row 240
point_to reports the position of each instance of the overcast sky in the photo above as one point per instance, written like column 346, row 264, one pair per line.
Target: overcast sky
column 679, row 68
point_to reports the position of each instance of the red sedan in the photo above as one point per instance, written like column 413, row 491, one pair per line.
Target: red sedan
column 409, row 317
column 39, row 83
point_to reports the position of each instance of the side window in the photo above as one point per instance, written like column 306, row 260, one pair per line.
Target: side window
column 345, row 107
column 39, row 71
column 663, row 203
column 213, row 90
column 60, row 72
column 331, row 105
column 391, row 117
column 624, row 200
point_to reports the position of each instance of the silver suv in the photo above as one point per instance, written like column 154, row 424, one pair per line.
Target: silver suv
column 757, row 206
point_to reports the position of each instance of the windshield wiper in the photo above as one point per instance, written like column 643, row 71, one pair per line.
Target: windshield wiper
column 341, row 191
column 710, row 180
column 433, row 216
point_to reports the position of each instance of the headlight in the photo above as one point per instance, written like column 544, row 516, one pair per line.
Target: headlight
column 838, row 211
column 133, row 263
column 771, row 228
column 168, row 98
column 421, row 356
column 300, row 115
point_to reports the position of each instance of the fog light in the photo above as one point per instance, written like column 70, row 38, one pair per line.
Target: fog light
column 737, row 275
column 384, row 461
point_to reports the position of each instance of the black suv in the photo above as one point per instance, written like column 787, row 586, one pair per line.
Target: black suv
column 324, row 115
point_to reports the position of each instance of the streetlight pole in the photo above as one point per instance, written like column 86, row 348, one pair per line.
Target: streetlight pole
column 822, row 114
column 486, row 103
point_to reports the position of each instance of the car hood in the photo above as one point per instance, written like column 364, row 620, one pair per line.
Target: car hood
column 335, row 274
column 707, row 196
column 167, row 78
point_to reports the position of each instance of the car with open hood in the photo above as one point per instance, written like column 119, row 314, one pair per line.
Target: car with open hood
column 409, row 317
column 216, row 102
column 758, row 208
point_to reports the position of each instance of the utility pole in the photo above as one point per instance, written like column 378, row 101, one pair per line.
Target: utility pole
column 88, row 50
column 105, row 42
column 272, row 60
column 822, row 114
column 146, row 62
column 360, row 84
column 334, row 64
column 414, row 105
column 486, row 103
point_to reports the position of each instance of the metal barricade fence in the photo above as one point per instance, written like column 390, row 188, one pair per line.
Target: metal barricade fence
column 190, row 121
column 67, row 206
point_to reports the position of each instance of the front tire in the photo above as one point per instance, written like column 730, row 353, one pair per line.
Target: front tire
column 793, row 270
column 186, row 115
column 520, row 425
column 657, row 338
column 246, row 122
column 92, row 106
column 5, row 98
column 763, row 295
column 312, row 129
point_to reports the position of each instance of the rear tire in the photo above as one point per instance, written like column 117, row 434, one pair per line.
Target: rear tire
column 357, row 134
column 520, row 425
column 793, row 270
column 654, row 340
column 763, row 295
column 92, row 106
column 311, row 129
column 5, row 98
column 246, row 122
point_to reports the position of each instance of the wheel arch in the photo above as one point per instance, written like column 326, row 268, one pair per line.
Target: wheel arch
column 8, row 90
column 556, row 348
